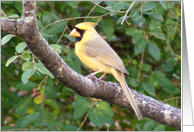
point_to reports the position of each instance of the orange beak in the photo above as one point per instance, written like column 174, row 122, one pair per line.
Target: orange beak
column 74, row 33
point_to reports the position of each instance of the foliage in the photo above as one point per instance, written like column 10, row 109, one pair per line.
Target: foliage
column 149, row 43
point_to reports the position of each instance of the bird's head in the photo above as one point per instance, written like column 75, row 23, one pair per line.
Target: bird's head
column 81, row 29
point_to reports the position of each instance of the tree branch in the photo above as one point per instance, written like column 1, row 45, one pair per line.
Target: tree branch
column 88, row 86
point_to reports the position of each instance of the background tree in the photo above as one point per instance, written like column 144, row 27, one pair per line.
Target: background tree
column 148, row 41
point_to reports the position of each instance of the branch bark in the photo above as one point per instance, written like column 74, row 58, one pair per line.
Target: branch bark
column 88, row 86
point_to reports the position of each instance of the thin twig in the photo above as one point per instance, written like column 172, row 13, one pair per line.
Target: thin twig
column 140, row 65
column 4, row 14
column 62, row 34
column 71, row 19
column 90, row 12
column 54, row 9
column 93, row 103
column 127, row 11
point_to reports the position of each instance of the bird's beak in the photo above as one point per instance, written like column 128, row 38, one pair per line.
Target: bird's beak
column 74, row 33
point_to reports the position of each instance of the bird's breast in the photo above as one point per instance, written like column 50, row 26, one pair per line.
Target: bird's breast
column 90, row 62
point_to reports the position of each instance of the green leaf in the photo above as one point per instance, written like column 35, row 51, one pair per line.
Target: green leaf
column 165, row 83
column 72, row 4
column 155, row 25
column 6, row 39
column 117, row 6
column 155, row 15
column 149, row 125
column 96, row 116
column 140, row 20
column 149, row 6
column 27, row 65
column 108, row 27
column 159, row 128
column 28, row 119
column 72, row 39
column 70, row 128
column 18, row 122
column 51, row 103
column 133, row 82
column 158, row 35
column 121, row 19
column 167, row 66
column 41, row 68
column 154, row 51
column 28, row 86
column 50, row 92
column 148, row 87
column 81, row 107
column 10, row 60
column 57, row 48
column 163, row 3
column 23, row 105
column 139, row 50
column 146, row 67
column 105, row 107
column 133, row 31
column 27, row 74
column 26, row 57
column 20, row 47
column 45, row 18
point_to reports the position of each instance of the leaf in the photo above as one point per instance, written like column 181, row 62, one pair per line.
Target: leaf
column 133, row 31
column 41, row 68
column 50, row 92
column 154, row 51
column 149, row 6
column 57, row 48
column 140, row 20
column 148, row 87
column 72, row 39
column 6, row 39
column 96, row 116
column 10, row 60
column 27, row 74
column 146, row 67
column 159, row 128
column 165, row 83
column 149, row 125
column 51, row 103
column 108, row 27
column 45, row 18
column 105, row 107
column 28, row 119
column 134, row 82
column 155, row 25
column 139, row 50
column 28, row 86
column 121, row 19
column 158, row 35
column 20, row 47
column 38, row 99
column 23, row 105
column 163, row 3
column 81, row 107
column 155, row 15
column 27, row 65
column 70, row 128
column 26, row 57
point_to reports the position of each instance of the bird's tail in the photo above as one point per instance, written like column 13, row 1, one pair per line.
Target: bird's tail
column 121, row 79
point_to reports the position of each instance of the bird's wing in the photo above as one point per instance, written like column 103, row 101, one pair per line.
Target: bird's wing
column 98, row 48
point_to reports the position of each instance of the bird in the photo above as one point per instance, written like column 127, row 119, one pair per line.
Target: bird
column 98, row 55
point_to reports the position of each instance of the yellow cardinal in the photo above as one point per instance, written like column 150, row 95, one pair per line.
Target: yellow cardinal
column 97, row 54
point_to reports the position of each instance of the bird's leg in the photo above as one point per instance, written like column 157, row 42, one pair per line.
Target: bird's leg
column 102, row 76
column 94, row 73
